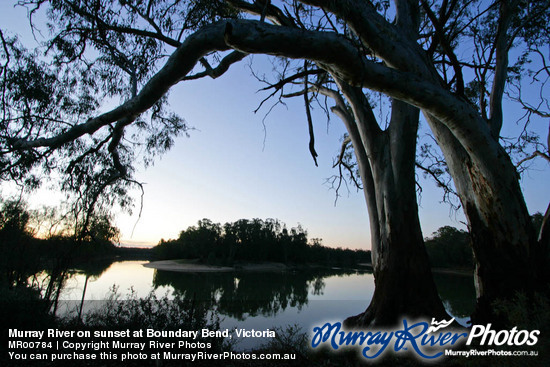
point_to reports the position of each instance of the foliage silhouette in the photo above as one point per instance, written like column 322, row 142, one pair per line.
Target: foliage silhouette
column 244, row 293
column 450, row 247
column 254, row 240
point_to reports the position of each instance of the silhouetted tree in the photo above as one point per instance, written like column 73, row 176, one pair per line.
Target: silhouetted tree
column 19, row 257
column 254, row 240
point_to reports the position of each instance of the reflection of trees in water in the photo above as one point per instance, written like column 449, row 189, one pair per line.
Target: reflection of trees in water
column 265, row 294
column 242, row 294
column 457, row 293
column 93, row 269
column 318, row 286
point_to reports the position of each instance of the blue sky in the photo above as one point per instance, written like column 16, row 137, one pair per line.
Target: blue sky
column 238, row 165
column 225, row 172
column 231, row 167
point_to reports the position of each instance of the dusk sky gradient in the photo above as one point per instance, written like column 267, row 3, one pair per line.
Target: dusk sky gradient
column 235, row 166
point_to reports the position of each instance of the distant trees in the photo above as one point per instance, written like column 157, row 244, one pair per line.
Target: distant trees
column 449, row 248
column 253, row 240
column 36, row 241
column 16, row 261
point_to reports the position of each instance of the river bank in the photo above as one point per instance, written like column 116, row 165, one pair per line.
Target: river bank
column 193, row 266
column 188, row 266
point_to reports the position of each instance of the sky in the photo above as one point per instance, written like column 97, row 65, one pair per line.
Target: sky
column 236, row 164
column 240, row 164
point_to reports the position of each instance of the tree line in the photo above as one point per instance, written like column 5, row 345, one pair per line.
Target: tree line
column 254, row 240
column 35, row 265
column 258, row 240
column 450, row 247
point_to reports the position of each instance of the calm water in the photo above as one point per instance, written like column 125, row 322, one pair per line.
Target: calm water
column 262, row 300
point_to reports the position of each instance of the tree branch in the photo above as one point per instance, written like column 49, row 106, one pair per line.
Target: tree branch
column 268, row 10
column 281, row 83
column 332, row 52
column 502, row 44
column 127, row 30
column 178, row 65
column 343, row 148
column 309, row 119
column 536, row 153
column 383, row 38
column 219, row 70
column 439, row 31
column 447, row 190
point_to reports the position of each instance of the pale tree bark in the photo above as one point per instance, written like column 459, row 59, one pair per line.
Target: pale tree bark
column 507, row 256
column 404, row 285
column 403, row 278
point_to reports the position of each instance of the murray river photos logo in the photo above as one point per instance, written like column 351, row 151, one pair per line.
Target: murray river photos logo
column 428, row 341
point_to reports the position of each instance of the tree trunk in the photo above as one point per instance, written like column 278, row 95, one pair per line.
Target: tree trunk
column 404, row 285
column 507, row 256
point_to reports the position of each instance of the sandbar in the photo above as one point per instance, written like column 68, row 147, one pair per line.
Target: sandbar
column 188, row 267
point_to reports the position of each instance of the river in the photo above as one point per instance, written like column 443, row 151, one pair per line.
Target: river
column 260, row 300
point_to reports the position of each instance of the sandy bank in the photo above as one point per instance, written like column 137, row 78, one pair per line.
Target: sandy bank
column 175, row 265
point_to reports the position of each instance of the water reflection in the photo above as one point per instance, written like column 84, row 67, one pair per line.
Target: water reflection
column 247, row 294
column 457, row 293
column 306, row 294
column 243, row 294
column 93, row 269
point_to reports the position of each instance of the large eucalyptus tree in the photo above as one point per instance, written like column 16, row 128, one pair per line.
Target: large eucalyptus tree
column 409, row 51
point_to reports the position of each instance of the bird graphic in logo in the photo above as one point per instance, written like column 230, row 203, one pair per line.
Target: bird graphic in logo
column 439, row 325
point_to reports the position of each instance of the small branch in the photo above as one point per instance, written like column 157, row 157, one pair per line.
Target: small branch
column 309, row 119
column 327, row 16
column 352, row 176
column 80, row 158
column 222, row 67
column 345, row 144
column 502, row 46
column 536, row 153
column 281, row 83
column 268, row 10
column 446, row 188
column 533, row 110
column 267, row 3
column 447, row 47
column 296, row 94
column 342, row 163
column 140, row 185
column 264, row 101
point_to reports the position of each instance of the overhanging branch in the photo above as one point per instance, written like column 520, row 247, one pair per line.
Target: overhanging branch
column 219, row 70
column 332, row 52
